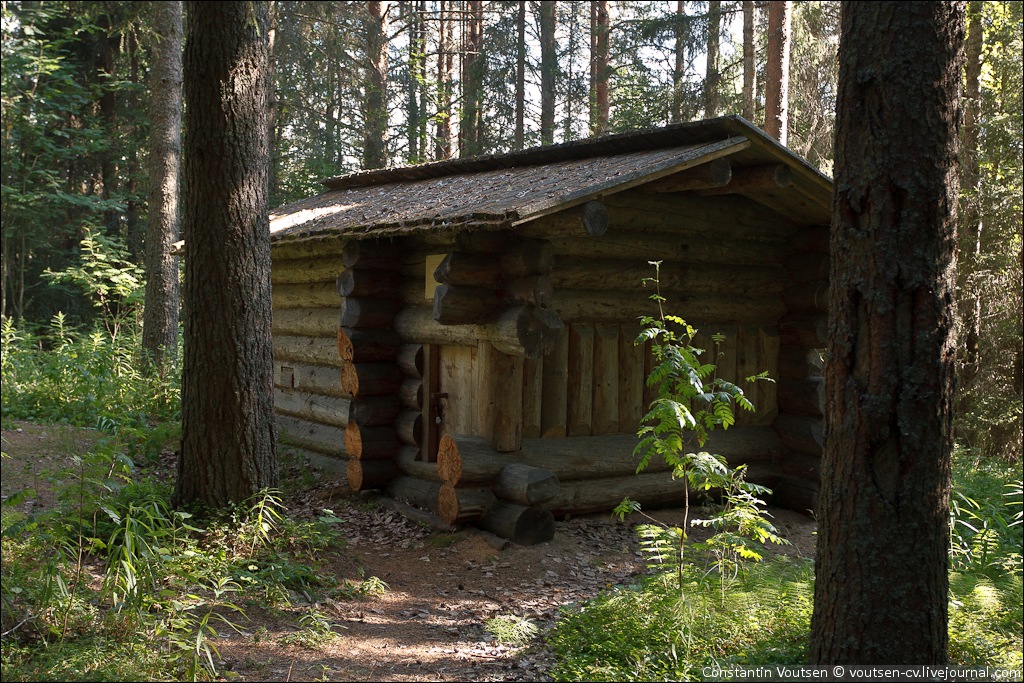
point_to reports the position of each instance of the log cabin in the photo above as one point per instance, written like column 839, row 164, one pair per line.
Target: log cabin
column 460, row 334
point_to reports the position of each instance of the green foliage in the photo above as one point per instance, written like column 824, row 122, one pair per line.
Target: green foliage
column 692, row 402
column 986, row 527
column 509, row 629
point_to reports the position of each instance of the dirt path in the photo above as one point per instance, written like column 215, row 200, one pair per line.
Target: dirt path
column 429, row 625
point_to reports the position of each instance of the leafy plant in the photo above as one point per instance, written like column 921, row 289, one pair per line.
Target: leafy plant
column 509, row 629
column 692, row 402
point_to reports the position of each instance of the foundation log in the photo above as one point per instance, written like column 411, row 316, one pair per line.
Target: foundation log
column 518, row 523
column 418, row 492
column 463, row 505
column 525, row 484
column 408, row 461
column 364, row 475
column 310, row 435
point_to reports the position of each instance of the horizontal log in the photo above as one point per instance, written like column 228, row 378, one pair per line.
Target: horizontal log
column 469, row 460
column 802, row 466
column 624, row 244
column 306, row 322
column 715, row 173
column 755, row 179
column 693, row 216
column 586, row 220
column 410, row 394
column 650, row 489
column 462, row 505
column 316, row 379
column 795, row 494
column 371, row 443
column 367, row 313
column 283, row 250
column 809, row 297
column 465, row 305
column 802, row 397
column 309, row 350
column 464, row 269
column 527, row 257
column 329, row 410
column 373, row 255
column 410, row 360
column 804, row 330
column 519, row 523
column 623, row 274
column 317, row 437
column 331, row 464
column 422, row 494
column 484, row 241
column 374, row 411
column 813, row 239
column 525, row 484
column 365, row 475
column 314, row 269
column 409, row 462
column 369, row 284
column 409, row 427
column 305, row 295
column 357, row 345
column 370, row 379
column 531, row 289
column 518, row 331
column 623, row 306
column 801, row 434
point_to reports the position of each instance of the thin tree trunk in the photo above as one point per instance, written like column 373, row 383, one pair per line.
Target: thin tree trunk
column 548, row 71
column 749, row 67
column 375, row 110
column 443, row 141
column 711, row 81
column 160, row 316
column 776, row 104
column 970, row 241
column 228, row 429
column 679, row 66
column 881, row 586
column 473, row 80
column 599, row 48
column 521, row 76
column 412, row 107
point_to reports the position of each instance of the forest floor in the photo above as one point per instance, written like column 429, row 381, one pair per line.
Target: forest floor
column 430, row 622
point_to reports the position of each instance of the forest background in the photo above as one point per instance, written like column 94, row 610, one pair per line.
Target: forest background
column 371, row 84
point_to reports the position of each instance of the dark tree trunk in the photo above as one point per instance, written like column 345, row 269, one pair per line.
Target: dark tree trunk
column 749, row 68
column 443, row 142
column 548, row 71
column 970, row 240
column 776, row 76
column 521, row 76
column 711, row 80
column 473, row 67
column 375, row 107
column 599, row 33
column 160, row 317
column 679, row 65
column 228, row 431
column 413, row 110
column 880, row 593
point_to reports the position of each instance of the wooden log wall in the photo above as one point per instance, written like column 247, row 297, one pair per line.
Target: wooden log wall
column 801, row 399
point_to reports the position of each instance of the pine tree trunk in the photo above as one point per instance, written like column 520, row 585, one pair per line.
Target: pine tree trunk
column 881, row 587
column 375, row 109
column 970, row 241
column 548, row 71
column 443, row 136
column 473, row 80
column 711, row 81
column 521, row 76
column 599, row 33
column 228, row 429
column 776, row 97
column 679, row 66
column 749, row 67
column 160, row 316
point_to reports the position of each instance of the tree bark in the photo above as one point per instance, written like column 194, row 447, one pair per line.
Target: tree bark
column 881, row 591
column 776, row 104
column 749, row 67
column 160, row 317
column 228, row 431
column 375, row 107
column 548, row 71
column 679, row 63
column 443, row 135
column 599, row 34
column 711, row 78
column 473, row 67
column 970, row 178
column 520, row 76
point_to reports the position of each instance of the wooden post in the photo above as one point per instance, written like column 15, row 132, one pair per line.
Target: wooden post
column 581, row 380
column 554, row 389
column 606, row 379
column 501, row 389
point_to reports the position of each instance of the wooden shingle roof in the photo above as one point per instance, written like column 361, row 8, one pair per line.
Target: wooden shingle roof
column 504, row 190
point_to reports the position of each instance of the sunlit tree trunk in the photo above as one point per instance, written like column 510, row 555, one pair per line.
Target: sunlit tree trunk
column 881, row 573
column 375, row 103
column 679, row 63
column 160, row 316
column 599, row 47
column 776, row 100
column 548, row 71
column 749, row 67
column 970, row 240
column 473, row 80
column 228, row 430
column 711, row 80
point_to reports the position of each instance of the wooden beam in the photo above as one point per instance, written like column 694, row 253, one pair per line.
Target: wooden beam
column 715, row 173
column 755, row 179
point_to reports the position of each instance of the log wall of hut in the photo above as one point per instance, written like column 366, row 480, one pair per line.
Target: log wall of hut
column 492, row 377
